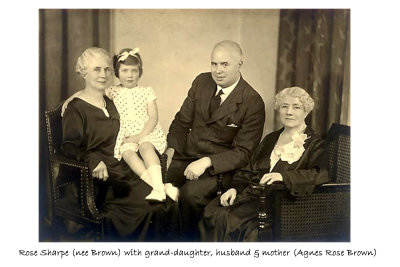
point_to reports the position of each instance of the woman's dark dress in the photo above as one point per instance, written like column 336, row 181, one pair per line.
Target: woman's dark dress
column 239, row 222
column 89, row 135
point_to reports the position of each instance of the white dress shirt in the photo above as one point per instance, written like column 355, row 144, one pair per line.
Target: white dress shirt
column 226, row 91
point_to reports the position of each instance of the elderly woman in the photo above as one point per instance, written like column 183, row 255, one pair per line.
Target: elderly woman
column 90, row 128
column 292, row 155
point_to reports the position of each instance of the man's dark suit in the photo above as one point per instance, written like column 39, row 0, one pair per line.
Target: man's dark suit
column 228, row 137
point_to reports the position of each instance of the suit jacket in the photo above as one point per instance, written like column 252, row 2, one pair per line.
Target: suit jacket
column 300, row 177
column 229, row 136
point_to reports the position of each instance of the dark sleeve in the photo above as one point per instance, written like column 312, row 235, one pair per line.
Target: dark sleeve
column 313, row 170
column 74, row 145
column 182, row 123
column 245, row 141
column 242, row 178
column 249, row 174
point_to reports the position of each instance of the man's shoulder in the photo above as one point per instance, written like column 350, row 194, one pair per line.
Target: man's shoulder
column 249, row 92
column 205, row 76
column 247, row 87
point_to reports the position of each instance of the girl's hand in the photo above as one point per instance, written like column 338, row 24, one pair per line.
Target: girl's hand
column 228, row 197
column 132, row 139
column 100, row 171
column 270, row 178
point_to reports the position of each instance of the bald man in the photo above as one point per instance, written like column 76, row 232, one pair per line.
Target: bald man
column 215, row 132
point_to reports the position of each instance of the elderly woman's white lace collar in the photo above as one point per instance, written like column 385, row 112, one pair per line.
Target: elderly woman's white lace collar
column 290, row 152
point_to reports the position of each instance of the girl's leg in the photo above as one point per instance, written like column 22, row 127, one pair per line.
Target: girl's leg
column 134, row 161
column 137, row 166
column 152, row 162
column 149, row 155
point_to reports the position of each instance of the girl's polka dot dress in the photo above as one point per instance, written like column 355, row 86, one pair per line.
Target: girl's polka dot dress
column 131, row 104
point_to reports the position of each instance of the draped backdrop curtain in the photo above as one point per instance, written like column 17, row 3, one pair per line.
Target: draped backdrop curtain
column 314, row 53
column 63, row 36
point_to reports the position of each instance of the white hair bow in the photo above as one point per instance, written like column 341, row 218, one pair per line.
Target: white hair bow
column 126, row 54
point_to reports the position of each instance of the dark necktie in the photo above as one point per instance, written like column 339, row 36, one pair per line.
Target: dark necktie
column 215, row 102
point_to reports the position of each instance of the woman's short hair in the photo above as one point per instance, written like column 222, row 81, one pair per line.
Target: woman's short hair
column 83, row 61
column 134, row 60
column 305, row 98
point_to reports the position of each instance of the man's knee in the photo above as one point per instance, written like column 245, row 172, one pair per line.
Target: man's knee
column 187, row 194
column 196, row 193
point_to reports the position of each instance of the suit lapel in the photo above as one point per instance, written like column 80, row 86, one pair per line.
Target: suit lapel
column 209, row 92
column 230, row 104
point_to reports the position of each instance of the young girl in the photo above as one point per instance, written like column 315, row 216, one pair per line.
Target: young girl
column 140, row 133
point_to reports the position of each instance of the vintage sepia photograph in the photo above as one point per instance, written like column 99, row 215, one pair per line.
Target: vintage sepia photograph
column 211, row 133
column 194, row 125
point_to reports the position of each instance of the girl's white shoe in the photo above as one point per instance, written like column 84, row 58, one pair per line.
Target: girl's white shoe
column 171, row 191
column 156, row 196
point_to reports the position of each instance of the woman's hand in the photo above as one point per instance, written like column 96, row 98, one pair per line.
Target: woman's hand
column 100, row 171
column 228, row 197
column 132, row 139
column 270, row 178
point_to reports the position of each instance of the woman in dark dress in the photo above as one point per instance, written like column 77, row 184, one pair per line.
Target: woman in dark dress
column 90, row 129
column 293, row 155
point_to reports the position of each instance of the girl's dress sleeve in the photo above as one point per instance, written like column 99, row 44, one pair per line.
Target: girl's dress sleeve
column 151, row 95
column 74, row 144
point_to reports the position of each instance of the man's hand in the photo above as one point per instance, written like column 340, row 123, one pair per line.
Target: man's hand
column 270, row 178
column 195, row 169
column 100, row 171
column 228, row 197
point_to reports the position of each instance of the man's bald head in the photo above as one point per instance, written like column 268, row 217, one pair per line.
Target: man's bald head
column 230, row 46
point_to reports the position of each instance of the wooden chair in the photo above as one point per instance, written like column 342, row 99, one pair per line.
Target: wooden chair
column 73, row 190
column 322, row 216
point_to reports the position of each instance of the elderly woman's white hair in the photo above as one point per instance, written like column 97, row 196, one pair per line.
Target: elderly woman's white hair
column 305, row 98
column 90, row 53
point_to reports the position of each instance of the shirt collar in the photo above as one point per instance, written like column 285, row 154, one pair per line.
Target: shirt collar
column 227, row 90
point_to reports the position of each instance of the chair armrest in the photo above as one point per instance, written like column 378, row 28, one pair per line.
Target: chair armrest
column 332, row 187
column 67, row 161
column 68, row 171
column 268, row 189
